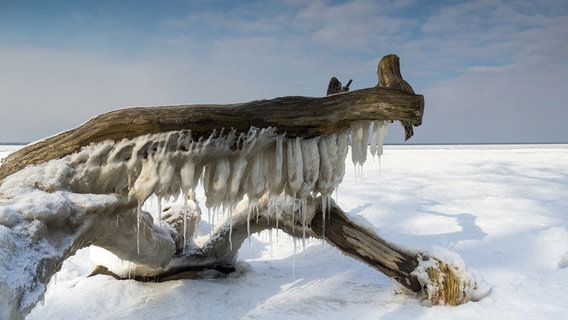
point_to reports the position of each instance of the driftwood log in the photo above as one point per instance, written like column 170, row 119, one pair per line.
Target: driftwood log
column 296, row 116
column 109, row 223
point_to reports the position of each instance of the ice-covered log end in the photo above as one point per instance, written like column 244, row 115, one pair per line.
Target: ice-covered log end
column 446, row 280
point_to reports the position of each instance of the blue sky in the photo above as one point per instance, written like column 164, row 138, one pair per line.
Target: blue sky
column 491, row 71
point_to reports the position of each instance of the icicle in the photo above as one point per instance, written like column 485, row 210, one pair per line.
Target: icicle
column 207, row 181
column 366, row 124
column 359, row 141
column 342, row 149
column 295, row 166
column 167, row 178
column 310, row 169
column 266, row 160
column 138, row 219
column 356, row 138
column 257, row 211
column 303, row 209
column 220, row 179
column 276, row 167
column 159, row 208
column 238, row 166
column 375, row 137
column 293, row 213
column 185, row 211
column 324, row 184
column 324, row 209
column 187, row 173
column 249, row 211
column 277, row 210
column 256, row 181
column 382, row 134
column 146, row 181
column 231, row 230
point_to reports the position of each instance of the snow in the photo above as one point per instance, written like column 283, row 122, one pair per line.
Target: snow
column 500, row 209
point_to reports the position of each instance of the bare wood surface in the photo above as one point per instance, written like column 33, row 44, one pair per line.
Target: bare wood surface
column 335, row 86
column 367, row 246
column 389, row 75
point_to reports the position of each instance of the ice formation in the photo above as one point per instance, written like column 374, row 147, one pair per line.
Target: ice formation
column 229, row 164
column 119, row 175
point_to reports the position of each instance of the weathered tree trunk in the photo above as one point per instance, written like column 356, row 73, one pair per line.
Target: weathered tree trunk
column 296, row 116
column 368, row 247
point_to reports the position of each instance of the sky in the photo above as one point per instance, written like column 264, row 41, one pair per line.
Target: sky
column 491, row 71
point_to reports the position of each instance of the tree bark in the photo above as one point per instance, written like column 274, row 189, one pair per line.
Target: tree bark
column 366, row 246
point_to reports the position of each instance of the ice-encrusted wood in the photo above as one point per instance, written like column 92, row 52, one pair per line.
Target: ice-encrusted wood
column 305, row 117
column 87, row 185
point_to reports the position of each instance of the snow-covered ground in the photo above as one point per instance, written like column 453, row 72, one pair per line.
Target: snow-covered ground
column 503, row 208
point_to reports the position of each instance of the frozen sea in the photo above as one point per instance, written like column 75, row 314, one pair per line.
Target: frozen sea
column 502, row 208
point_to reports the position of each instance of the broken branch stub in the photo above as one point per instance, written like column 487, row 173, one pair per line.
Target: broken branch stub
column 389, row 76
